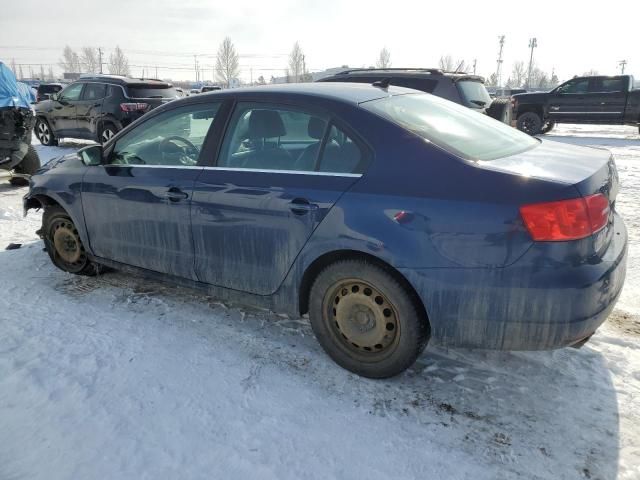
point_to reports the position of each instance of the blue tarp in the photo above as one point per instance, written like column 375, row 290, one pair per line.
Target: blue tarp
column 12, row 92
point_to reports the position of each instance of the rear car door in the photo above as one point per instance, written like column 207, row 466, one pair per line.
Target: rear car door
column 89, row 108
column 273, row 184
column 63, row 111
column 610, row 98
column 137, row 205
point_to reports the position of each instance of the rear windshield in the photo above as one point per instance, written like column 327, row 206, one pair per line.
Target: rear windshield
column 152, row 91
column 469, row 134
column 474, row 94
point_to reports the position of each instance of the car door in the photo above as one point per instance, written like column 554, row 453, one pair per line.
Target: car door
column 63, row 110
column 611, row 98
column 137, row 205
column 570, row 101
column 88, row 109
column 273, row 183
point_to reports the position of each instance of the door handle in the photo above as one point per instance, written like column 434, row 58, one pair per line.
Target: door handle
column 175, row 195
column 302, row 206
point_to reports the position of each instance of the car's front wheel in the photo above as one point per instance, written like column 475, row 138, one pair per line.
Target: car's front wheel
column 63, row 243
column 365, row 320
column 529, row 122
column 44, row 133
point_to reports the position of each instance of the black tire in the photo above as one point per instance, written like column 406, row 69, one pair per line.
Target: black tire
column 63, row 243
column 107, row 131
column 547, row 127
column 356, row 301
column 29, row 165
column 500, row 109
column 529, row 122
column 44, row 133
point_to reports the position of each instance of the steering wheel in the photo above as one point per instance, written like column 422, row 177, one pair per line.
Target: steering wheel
column 175, row 138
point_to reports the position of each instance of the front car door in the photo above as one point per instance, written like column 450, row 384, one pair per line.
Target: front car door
column 569, row 101
column 63, row 112
column 88, row 109
column 137, row 205
column 281, row 168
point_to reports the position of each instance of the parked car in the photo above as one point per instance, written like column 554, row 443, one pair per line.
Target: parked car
column 462, row 88
column 600, row 100
column 325, row 198
column 179, row 92
column 45, row 90
column 17, row 155
column 210, row 88
column 495, row 92
column 97, row 107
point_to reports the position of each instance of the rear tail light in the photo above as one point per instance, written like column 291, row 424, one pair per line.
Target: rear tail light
column 566, row 219
column 133, row 107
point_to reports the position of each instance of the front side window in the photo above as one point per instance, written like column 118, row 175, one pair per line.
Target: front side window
column 71, row 93
column 575, row 86
column 94, row 91
column 173, row 138
column 457, row 129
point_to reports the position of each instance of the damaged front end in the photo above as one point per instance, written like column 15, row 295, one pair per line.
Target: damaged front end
column 16, row 125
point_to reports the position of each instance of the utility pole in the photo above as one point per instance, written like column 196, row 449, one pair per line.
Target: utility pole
column 304, row 69
column 475, row 62
column 533, row 43
column 251, row 70
column 100, row 57
column 499, row 67
column 156, row 72
column 622, row 64
column 195, row 65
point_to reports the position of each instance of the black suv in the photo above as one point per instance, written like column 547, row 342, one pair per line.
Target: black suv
column 45, row 90
column 462, row 88
column 97, row 107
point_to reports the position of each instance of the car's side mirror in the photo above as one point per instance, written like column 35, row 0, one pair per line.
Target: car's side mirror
column 91, row 155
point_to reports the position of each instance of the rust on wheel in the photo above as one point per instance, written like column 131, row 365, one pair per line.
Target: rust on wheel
column 361, row 317
column 66, row 243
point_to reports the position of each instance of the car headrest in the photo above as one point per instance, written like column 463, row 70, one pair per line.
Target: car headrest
column 316, row 126
column 266, row 124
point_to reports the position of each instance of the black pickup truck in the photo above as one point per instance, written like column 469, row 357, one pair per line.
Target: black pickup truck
column 598, row 100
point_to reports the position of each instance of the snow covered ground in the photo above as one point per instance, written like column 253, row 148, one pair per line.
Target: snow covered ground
column 115, row 377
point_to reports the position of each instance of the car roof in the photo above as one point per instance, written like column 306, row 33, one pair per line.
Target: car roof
column 348, row 92
column 121, row 80
column 405, row 72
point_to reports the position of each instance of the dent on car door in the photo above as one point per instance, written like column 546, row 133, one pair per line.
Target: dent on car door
column 137, row 205
column 88, row 108
column 64, row 109
column 280, row 170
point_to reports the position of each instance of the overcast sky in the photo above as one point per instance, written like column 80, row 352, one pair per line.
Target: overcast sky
column 573, row 36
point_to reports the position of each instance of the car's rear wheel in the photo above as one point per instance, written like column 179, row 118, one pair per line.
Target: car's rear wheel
column 63, row 243
column 547, row 127
column 529, row 122
column 44, row 133
column 365, row 320
column 29, row 165
column 107, row 131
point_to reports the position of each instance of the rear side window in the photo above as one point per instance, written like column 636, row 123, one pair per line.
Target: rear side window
column 341, row 154
column 459, row 130
column 422, row 84
column 94, row 91
column 151, row 91
column 609, row 85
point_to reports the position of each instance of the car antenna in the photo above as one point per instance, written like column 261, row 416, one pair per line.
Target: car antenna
column 382, row 83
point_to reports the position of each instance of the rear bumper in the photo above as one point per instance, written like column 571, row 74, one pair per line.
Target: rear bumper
column 524, row 306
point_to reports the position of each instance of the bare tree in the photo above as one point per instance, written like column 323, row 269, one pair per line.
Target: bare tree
column 13, row 66
column 296, row 64
column 518, row 75
column 42, row 75
column 227, row 63
column 50, row 75
column 448, row 64
column 70, row 61
column 90, row 59
column 20, row 75
column 590, row 73
column 384, row 58
column 118, row 62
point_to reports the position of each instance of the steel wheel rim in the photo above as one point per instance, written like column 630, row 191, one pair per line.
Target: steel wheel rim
column 361, row 318
column 67, row 244
column 43, row 132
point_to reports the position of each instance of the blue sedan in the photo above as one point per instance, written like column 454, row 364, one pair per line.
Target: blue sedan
column 392, row 217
